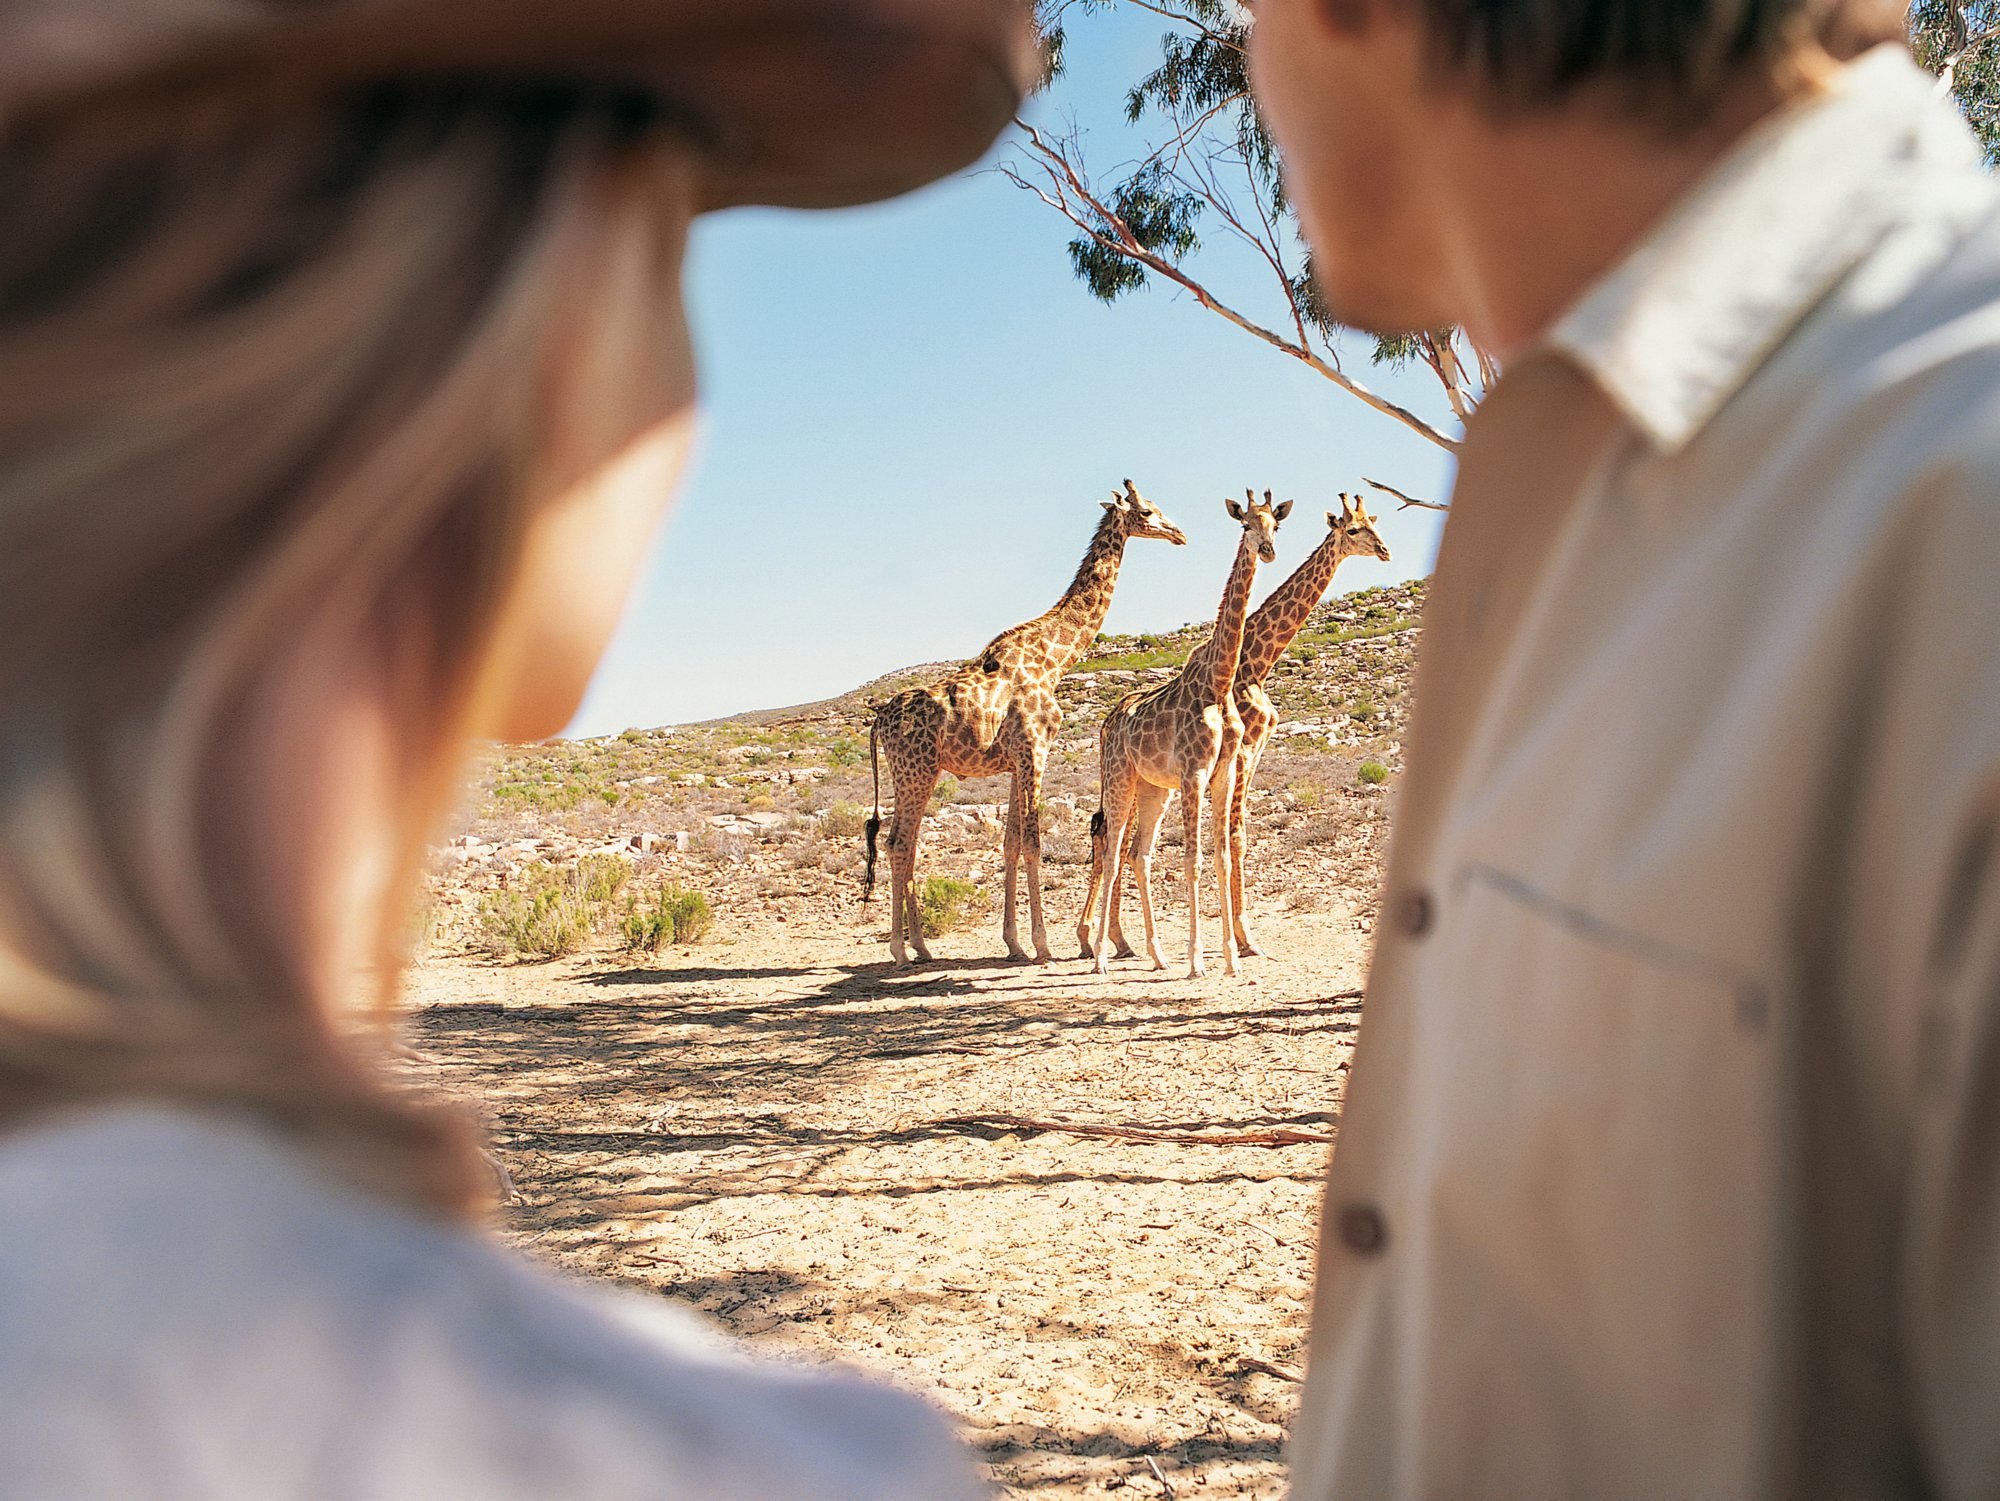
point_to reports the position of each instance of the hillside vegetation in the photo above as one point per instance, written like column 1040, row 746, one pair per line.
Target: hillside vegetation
column 763, row 811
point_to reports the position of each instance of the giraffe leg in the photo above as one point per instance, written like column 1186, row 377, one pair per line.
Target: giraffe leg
column 1031, row 849
column 1117, row 824
column 1083, row 935
column 1152, row 808
column 1239, row 851
column 1115, row 895
column 1241, row 833
column 1222, row 792
column 1192, row 800
column 904, row 920
column 1010, row 860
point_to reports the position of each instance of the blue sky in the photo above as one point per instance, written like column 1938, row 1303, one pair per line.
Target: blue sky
column 913, row 410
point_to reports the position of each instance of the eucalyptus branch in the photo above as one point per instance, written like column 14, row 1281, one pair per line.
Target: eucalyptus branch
column 1186, row 133
column 1107, row 228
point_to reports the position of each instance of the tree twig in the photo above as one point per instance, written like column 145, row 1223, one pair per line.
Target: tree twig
column 1407, row 500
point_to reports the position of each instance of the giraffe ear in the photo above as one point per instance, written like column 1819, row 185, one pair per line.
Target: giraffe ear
column 1235, row 510
column 1332, row 522
column 1284, row 509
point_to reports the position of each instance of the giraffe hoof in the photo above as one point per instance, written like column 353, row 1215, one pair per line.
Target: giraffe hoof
column 1248, row 950
column 1100, row 967
column 1043, row 956
column 1197, row 972
column 1124, row 951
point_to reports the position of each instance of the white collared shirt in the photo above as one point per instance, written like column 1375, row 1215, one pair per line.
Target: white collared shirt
column 1670, row 1166
column 190, row 1311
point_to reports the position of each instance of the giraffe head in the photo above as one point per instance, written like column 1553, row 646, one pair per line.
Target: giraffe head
column 1141, row 517
column 1357, row 527
column 1260, row 519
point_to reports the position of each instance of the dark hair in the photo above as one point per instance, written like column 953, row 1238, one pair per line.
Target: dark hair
column 1669, row 60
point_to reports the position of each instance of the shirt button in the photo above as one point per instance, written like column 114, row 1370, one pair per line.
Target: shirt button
column 1362, row 1230
column 1414, row 914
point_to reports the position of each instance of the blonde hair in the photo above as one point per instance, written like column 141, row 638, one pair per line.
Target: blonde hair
column 259, row 370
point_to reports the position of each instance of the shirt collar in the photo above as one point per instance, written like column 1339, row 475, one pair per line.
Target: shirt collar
column 1679, row 326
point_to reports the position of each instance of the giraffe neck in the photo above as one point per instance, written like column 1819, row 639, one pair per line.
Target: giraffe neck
column 1279, row 619
column 1073, row 624
column 1227, row 641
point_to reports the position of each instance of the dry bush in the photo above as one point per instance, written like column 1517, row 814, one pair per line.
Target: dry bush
column 843, row 820
column 1328, row 828
column 720, row 846
column 1066, row 846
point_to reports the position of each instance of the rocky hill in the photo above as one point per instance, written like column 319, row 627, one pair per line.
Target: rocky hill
column 762, row 812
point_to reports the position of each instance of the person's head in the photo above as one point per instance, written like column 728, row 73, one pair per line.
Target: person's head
column 333, row 424
column 1389, row 111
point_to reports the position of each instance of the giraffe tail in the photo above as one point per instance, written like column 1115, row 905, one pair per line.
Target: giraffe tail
column 873, row 827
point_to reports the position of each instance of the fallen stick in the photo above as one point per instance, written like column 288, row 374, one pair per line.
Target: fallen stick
column 1283, row 1373
column 1277, row 1136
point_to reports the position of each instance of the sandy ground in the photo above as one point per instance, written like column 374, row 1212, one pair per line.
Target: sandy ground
column 822, row 1153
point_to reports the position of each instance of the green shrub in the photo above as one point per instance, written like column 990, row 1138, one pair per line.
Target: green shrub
column 551, row 910
column 760, row 802
column 1363, row 710
column 1305, row 793
column 677, row 915
column 944, row 903
column 946, row 790
column 1374, row 773
column 540, row 924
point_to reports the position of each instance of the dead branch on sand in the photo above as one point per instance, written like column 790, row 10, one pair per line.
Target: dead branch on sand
column 1277, row 1136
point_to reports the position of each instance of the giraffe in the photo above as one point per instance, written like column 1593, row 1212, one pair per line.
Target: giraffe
column 1181, row 736
column 1271, row 628
column 997, row 714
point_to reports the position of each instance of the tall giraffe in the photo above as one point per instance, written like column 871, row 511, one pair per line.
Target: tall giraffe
column 997, row 714
column 1271, row 628
column 1182, row 736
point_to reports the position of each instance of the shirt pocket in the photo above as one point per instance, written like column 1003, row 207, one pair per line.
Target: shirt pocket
column 1600, row 1198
